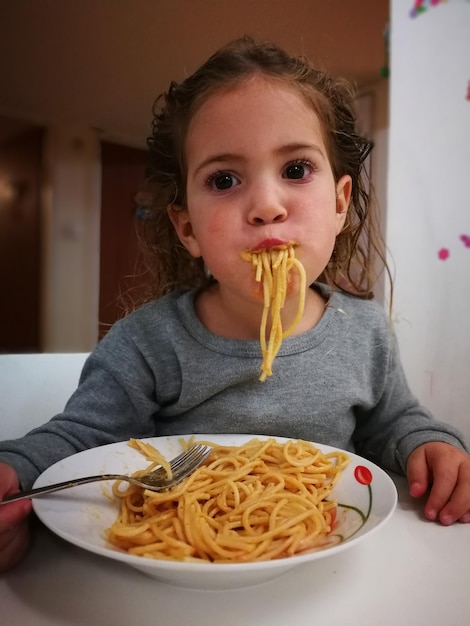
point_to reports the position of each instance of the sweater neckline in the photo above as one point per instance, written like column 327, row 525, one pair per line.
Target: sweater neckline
column 251, row 347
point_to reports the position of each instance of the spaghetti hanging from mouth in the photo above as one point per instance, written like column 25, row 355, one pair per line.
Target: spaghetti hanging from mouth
column 272, row 268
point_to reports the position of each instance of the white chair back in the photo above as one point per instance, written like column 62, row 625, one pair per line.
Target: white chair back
column 34, row 387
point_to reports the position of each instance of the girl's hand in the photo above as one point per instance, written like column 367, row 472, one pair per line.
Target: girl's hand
column 14, row 525
column 445, row 471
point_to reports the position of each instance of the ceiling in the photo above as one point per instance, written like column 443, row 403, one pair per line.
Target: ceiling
column 101, row 63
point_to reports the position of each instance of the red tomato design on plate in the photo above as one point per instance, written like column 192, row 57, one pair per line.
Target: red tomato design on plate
column 363, row 475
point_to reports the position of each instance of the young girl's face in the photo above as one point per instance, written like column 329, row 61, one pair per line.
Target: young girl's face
column 258, row 176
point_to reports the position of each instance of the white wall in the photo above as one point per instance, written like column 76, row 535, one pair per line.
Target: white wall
column 428, row 207
column 49, row 381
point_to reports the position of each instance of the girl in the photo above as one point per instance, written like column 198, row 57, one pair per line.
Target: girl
column 256, row 151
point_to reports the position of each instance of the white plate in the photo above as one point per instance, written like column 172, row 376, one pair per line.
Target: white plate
column 366, row 494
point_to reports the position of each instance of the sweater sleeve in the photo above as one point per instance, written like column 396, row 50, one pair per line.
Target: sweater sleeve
column 115, row 400
column 398, row 424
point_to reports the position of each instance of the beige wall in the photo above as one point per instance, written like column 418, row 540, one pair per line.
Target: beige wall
column 71, row 199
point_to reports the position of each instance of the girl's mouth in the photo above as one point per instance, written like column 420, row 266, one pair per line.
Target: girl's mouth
column 272, row 243
column 267, row 244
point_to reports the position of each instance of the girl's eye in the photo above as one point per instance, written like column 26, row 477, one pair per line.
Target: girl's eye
column 221, row 181
column 298, row 170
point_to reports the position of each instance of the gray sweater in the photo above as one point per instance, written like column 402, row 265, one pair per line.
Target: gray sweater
column 159, row 371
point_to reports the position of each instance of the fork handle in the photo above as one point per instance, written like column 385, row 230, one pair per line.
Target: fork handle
column 31, row 493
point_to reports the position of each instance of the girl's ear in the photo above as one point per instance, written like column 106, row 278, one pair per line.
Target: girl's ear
column 343, row 196
column 184, row 229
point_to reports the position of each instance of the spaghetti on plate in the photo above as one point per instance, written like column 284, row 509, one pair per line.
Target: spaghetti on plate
column 260, row 501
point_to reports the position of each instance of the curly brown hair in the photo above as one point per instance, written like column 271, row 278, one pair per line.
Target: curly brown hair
column 352, row 267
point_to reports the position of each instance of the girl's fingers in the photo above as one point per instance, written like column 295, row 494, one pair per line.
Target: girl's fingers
column 447, row 470
column 458, row 505
column 418, row 473
column 14, row 522
column 14, row 543
column 445, row 478
column 12, row 514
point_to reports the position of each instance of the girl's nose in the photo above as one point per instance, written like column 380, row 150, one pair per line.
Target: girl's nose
column 261, row 215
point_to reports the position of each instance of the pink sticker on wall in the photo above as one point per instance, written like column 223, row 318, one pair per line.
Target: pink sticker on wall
column 443, row 254
column 465, row 239
column 421, row 6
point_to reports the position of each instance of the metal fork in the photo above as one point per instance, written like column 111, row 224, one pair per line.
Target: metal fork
column 181, row 466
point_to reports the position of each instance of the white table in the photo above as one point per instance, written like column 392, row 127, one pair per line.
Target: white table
column 411, row 572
